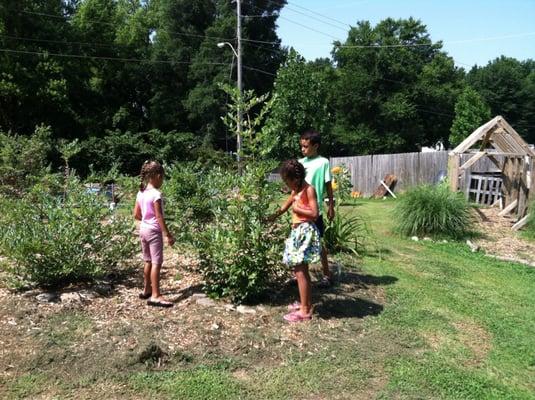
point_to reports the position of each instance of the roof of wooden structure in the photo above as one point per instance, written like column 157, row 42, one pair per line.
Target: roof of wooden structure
column 497, row 138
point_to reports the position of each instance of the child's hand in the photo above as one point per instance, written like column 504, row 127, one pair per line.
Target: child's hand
column 170, row 239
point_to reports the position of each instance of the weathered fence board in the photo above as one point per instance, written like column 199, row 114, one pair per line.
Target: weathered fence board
column 411, row 169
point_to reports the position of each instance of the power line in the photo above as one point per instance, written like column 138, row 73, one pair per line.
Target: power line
column 315, row 13
column 120, row 59
column 218, row 38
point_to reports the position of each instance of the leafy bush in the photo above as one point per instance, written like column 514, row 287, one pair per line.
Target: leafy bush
column 240, row 254
column 433, row 210
column 50, row 242
column 23, row 159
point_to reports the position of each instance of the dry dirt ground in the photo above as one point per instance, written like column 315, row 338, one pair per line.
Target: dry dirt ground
column 85, row 332
column 499, row 240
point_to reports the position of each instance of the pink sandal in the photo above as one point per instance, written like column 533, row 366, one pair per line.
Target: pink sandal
column 295, row 306
column 296, row 316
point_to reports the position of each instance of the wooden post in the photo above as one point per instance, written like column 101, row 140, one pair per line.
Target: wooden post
column 453, row 171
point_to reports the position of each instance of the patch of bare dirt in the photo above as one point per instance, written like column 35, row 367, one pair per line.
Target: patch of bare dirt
column 85, row 333
column 499, row 240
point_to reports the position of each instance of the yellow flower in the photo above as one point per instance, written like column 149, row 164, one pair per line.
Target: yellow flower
column 334, row 185
column 336, row 170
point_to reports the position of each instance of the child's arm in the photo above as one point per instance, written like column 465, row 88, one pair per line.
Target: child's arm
column 161, row 221
column 137, row 212
column 330, row 211
column 285, row 207
column 311, row 212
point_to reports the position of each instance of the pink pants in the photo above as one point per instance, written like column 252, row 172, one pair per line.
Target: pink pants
column 151, row 245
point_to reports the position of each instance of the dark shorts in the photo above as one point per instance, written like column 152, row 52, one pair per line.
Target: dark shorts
column 320, row 225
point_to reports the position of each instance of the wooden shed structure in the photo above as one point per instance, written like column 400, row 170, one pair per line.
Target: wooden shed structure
column 498, row 141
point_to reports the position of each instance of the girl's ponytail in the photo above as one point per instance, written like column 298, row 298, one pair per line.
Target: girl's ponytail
column 143, row 183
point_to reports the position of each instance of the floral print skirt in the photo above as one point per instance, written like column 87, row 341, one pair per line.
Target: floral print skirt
column 303, row 245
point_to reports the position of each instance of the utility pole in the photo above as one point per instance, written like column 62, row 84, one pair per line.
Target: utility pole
column 240, row 88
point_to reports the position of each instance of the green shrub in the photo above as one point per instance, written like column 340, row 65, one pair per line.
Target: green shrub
column 240, row 254
column 52, row 242
column 23, row 159
column 345, row 234
column 432, row 210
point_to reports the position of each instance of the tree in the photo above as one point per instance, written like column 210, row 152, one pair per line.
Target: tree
column 471, row 111
column 300, row 103
column 507, row 86
column 392, row 79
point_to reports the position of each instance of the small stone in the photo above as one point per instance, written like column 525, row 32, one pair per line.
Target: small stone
column 198, row 296
column 427, row 239
column 214, row 327
column 262, row 309
column 444, row 241
column 47, row 297
column 230, row 307
column 415, row 238
column 70, row 298
column 104, row 289
column 204, row 301
column 245, row 310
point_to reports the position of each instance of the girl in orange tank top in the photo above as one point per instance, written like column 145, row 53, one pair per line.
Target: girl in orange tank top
column 303, row 244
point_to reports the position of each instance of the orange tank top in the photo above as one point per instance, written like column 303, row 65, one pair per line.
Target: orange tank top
column 303, row 202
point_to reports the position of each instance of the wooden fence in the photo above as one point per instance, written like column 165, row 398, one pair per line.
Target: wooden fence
column 411, row 169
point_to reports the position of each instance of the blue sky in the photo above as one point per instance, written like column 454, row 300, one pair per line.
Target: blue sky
column 473, row 32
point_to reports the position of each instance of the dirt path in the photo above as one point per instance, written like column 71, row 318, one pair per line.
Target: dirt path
column 499, row 240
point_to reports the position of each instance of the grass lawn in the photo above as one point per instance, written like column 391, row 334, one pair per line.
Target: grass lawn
column 445, row 324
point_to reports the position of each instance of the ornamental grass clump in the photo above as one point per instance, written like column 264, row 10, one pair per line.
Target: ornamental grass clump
column 433, row 211
column 529, row 229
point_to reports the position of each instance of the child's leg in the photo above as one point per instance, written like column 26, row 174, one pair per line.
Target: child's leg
column 305, row 292
column 325, row 263
column 155, row 280
column 147, row 278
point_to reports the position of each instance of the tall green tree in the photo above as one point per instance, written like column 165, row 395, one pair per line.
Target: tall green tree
column 507, row 85
column 300, row 103
column 392, row 79
column 471, row 111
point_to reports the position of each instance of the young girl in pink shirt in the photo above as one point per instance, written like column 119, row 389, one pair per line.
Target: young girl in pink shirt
column 149, row 210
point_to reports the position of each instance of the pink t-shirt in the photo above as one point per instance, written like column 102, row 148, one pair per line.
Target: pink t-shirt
column 146, row 200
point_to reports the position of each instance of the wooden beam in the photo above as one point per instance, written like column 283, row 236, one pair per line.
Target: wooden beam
column 521, row 223
column 476, row 136
column 453, row 171
column 472, row 160
column 508, row 209
column 514, row 134
column 495, row 161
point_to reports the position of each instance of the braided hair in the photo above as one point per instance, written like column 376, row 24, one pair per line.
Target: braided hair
column 149, row 170
column 293, row 169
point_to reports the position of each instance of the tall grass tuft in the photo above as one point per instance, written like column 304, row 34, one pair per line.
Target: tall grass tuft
column 433, row 211
column 529, row 229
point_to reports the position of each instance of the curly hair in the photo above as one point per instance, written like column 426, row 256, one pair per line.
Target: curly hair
column 293, row 169
column 149, row 170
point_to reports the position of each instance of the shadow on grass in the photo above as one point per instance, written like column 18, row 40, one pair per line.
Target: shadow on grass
column 342, row 300
column 349, row 307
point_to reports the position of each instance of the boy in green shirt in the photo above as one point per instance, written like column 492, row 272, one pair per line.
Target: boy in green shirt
column 318, row 174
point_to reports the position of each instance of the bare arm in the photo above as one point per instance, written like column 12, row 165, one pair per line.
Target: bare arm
column 137, row 212
column 161, row 221
column 285, row 207
column 330, row 211
column 312, row 202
